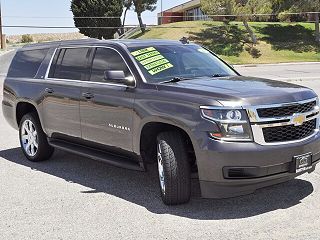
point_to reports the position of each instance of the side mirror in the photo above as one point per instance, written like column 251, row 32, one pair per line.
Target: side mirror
column 112, row 75
column 117, row 76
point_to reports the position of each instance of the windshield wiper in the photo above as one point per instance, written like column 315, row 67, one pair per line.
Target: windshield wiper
column 178, row 79
column 218, row 75
column 174, row 80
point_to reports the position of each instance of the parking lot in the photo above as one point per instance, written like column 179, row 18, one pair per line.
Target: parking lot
column 71, row 197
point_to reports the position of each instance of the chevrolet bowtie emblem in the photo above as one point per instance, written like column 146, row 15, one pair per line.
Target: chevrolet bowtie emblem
column 298, row 120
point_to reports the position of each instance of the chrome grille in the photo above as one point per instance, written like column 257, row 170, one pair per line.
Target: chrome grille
column 286, row 110
column 289, row 132
column 284, row 123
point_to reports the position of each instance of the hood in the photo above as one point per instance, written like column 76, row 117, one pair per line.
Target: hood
column 245, row 91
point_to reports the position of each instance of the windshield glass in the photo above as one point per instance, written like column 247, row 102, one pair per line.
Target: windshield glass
column 165, row 62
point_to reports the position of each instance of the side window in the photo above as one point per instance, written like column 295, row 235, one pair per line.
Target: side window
column 26, row 63
column 107, row 59
column 70, row 63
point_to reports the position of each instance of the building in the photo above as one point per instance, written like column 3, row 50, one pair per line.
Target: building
column 189, row 11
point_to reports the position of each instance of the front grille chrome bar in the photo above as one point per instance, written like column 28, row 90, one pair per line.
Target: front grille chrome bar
column 257, row 123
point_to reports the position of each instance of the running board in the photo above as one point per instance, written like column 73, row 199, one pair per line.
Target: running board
column 96, row 154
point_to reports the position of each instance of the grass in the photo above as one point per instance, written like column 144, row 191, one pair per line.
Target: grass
column 277, row 42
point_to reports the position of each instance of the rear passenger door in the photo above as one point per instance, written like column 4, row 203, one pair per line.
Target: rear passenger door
column 61, row 108
column 106, row 107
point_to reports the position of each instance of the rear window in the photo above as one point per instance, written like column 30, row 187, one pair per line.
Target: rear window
column 70, row 63
column 26, row 63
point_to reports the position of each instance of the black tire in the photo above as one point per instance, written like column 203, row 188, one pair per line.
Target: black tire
column 44, row 150
column 172, row 149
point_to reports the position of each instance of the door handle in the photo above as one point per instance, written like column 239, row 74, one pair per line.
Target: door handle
column 88, row 95
column 49, row 90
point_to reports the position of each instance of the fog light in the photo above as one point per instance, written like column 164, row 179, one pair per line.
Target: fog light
column 236, row 129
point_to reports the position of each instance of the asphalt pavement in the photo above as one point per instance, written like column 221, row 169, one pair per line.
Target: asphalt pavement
column 283, row 71
column 71, row 197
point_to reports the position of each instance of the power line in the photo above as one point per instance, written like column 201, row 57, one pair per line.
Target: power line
column 70, row 27
column 213, row 15
column 62, row 27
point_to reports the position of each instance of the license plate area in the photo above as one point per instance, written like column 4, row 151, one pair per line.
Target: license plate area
column 303, row 162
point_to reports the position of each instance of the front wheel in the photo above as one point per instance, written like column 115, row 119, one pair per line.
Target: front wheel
column 33, row 140
column 173, row 168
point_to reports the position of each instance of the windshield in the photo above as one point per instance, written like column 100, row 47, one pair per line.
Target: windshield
column 163, row 63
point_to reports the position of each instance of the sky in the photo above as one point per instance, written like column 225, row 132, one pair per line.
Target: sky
column 32, row 13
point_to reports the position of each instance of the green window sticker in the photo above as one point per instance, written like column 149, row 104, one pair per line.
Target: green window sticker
column 152, row 59
column 147, row 55
column 156, row 64
column 141, row 51
column 160, row 68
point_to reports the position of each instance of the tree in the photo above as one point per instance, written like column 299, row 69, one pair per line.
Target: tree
column 248, row 8
column 143, row 5
column 243, row 8
column 127, row 6
column 97, row 27
column 307, row 6
column 218, row 7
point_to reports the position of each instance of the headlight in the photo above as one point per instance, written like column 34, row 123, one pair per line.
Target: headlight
column 231, row 124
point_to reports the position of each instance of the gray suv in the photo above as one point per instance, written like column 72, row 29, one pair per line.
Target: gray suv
column 134, row 102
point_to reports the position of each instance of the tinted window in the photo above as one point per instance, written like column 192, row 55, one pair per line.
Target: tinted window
column 70, row 63
column 107, row 59
column 26, row 63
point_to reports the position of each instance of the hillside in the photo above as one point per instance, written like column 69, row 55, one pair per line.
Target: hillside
column 277, row 42
column 45, row 37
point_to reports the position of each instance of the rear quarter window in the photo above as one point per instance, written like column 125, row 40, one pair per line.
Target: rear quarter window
column 25, row 64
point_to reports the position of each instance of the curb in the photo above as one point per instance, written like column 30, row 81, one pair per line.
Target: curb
column 5, row 52
column 276, row 64
column 297, row 79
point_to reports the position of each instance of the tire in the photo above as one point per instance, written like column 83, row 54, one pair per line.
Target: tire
column 173, row 168
column 30, row 130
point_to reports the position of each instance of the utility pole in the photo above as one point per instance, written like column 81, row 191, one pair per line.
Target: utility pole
column 1, row 33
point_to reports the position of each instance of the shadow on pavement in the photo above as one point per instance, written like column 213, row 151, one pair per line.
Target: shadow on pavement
column 142, row 188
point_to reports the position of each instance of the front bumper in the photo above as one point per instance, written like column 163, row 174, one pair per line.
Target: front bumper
column 269, row 165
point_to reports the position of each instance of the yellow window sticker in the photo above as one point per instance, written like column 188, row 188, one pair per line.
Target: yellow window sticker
column 141, row 51
column 152, row 59
column 160, row 68
column 147, row 55
column 156, row 64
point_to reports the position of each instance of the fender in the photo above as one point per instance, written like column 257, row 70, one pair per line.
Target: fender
column 160, row 119
column 29, row 101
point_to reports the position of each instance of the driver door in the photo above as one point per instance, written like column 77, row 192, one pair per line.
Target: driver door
column 106, row 107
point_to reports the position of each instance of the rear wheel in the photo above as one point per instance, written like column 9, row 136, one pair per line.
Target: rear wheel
column 33, row 140
column 173, row 168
